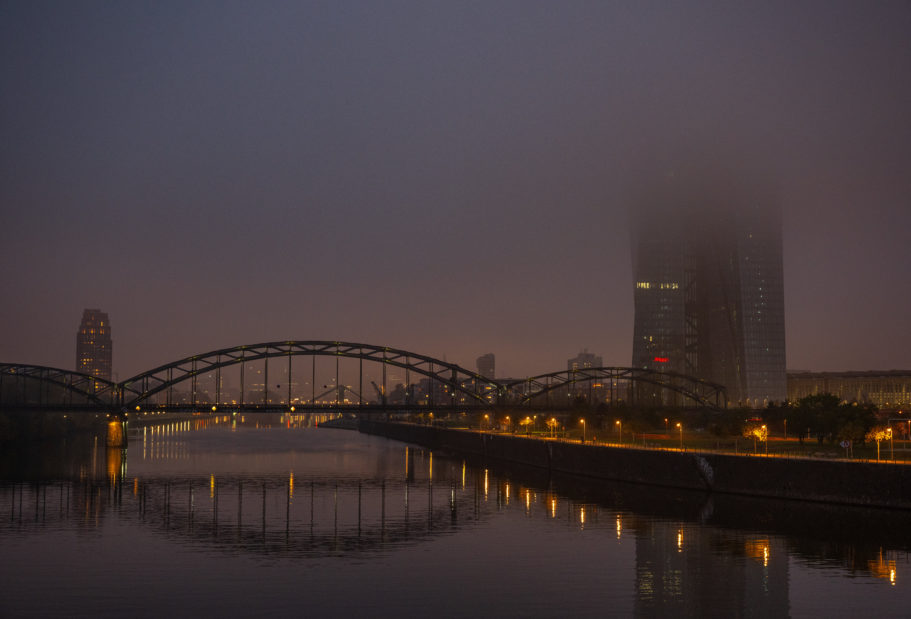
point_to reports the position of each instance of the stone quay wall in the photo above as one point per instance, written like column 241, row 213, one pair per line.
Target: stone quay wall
column 874, row 484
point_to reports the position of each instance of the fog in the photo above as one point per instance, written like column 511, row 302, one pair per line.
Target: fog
column 449, row 179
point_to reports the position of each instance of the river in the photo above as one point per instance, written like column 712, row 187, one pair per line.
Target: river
column 276, row 517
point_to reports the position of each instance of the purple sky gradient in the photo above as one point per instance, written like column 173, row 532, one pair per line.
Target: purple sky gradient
column 448, row 178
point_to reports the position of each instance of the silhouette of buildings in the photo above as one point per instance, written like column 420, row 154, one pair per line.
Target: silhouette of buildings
column 708, row 286
column 887, row 390
column 584, row 360
column 93, row 344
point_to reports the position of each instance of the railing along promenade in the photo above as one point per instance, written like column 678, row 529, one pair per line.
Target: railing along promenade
column 859, row 481
column 897, row 455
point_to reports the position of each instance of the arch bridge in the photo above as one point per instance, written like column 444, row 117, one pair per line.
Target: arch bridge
column 271, row 377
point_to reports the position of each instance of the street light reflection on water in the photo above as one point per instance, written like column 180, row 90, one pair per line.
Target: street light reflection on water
column 295, row 500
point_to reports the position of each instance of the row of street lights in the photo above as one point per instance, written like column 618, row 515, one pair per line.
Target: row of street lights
column 760, row 433
column 552, row 424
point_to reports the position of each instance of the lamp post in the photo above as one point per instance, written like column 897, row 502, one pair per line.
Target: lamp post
column 486, row 421
column 680, row 426
column 619, row 431
column 507, row 423
column 582, row 421
column 891, row 445
column 765, row 438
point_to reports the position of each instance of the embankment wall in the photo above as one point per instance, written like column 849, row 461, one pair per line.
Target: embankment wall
column 878, row 484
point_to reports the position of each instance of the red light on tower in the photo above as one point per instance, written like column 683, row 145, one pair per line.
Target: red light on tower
column 662, row 359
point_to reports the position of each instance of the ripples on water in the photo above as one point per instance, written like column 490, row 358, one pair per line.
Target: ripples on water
column 238, row 520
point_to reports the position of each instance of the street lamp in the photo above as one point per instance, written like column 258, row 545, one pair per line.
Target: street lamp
column 582, row 421
column 765, row 437
column 891, row 445
column 619, row 431
column 679, row 425
column 486, row 420
column 507, row 423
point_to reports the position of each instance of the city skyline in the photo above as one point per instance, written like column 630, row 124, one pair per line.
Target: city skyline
column 449, row 180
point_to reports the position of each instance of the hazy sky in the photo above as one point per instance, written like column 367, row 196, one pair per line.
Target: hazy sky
column 449, row 178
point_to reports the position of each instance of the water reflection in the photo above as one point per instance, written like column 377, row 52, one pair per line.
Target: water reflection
column 304, row 494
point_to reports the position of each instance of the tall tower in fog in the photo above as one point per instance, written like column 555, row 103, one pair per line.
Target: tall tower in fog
column 487, row 366
column 93, row 344
column 708, row 285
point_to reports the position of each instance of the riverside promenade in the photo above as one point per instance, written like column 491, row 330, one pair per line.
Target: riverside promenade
column 872, row 484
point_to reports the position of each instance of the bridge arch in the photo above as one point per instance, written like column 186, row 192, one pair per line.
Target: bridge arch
column 470, row 386
column 39, row 386
column 700, row 392
column 32, row 386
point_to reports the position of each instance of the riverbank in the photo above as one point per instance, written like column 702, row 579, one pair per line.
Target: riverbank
column 874, row 484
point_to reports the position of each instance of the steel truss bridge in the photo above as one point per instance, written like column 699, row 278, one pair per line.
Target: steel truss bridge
column 196, row 383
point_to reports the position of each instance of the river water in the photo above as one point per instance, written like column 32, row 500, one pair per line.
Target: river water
column 275, row 517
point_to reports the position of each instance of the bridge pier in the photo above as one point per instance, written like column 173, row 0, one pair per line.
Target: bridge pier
column 116, row 434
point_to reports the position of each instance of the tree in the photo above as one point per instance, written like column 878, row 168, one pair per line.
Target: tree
column 824, row 415
column 816, row 414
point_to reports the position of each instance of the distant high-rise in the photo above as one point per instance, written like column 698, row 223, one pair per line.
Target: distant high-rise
column 93, row 344
column 584, row 360
column 487, row 366
column 708, row 286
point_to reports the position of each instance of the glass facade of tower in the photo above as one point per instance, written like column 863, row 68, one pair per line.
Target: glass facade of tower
column 93, row 344
column 709, row 294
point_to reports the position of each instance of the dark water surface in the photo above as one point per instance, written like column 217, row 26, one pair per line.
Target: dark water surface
column 222, row 520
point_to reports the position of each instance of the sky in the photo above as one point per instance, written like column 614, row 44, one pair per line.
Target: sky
column 447, row 178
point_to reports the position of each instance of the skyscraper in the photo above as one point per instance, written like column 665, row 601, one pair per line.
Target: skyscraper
column 487, row 366
column 708, row 286
column 93, row 344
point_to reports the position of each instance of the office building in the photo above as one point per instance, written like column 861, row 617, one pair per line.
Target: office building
column 887, row 390
column 487, row 366
column 93, row 344
column 583, row 361
column 708, row 286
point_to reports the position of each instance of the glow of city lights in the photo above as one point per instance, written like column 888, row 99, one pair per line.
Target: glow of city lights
column 680, row 540
column 553, row 508
column 619, row 526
